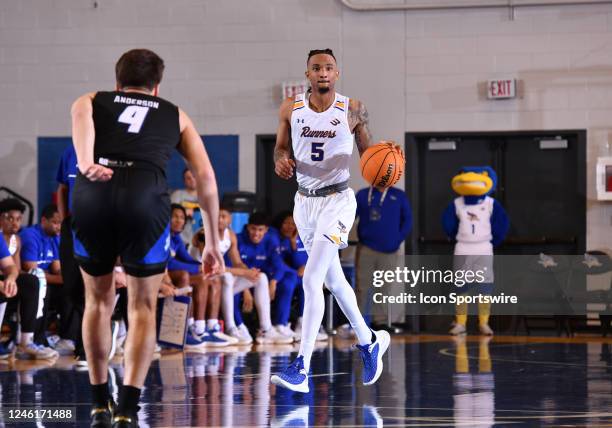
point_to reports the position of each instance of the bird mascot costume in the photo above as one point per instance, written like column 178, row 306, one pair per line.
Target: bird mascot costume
column 478, row 223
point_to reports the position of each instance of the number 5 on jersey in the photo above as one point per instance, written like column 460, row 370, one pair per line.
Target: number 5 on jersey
column 134, row 116
column 317, row 153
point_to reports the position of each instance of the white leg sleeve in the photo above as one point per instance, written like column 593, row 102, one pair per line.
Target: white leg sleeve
column 336, row 282
column 262, row 302
column 227, row 300
column 261, row 295
column 319, row 258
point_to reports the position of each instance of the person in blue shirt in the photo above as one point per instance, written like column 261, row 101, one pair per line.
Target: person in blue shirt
column 73, row 290
column 40, row 246
column 180, row 259
column 250, row 284
column 259, row 250
column 40, row 256
column 22, row 289
column 184, row 270
column 385, row 220
column 11, row 211
column 66, row 174
column 11, row 217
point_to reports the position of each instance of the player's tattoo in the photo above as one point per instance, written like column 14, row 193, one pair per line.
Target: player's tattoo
column 280, row 153
column 360, row 120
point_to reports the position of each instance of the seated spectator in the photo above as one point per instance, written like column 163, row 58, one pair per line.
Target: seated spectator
column 21, row 289
column 188, row 199
column 184, row 270
column 40, row 256
column 213, row 326
column 11, row 215
column 167, row 288
column 257, row 250
column 180, row 259
column 237, row 280
column 293, row 253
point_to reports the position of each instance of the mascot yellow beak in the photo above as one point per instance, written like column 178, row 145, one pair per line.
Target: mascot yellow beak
column 472, row 183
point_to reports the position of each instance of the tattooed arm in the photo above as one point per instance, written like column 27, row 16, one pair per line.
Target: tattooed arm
column 283, row 164
column 359, row 122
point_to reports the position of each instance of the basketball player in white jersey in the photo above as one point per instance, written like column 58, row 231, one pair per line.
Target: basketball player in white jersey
column 238, row 278
column 323, row 125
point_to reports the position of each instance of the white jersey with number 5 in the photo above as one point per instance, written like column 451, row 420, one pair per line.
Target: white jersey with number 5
column 322, row 143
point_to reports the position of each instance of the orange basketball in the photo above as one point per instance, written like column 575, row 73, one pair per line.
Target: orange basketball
column 382, row 165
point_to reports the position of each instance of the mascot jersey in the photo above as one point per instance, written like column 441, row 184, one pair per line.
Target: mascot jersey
column 475, row 220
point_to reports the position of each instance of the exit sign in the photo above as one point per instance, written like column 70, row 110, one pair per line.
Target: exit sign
column 292, row 88
column 500, row 89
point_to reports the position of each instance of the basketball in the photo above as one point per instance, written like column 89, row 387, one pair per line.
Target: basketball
column 382, row 165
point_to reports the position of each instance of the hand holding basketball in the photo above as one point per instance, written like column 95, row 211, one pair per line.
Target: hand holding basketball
column 382, row 165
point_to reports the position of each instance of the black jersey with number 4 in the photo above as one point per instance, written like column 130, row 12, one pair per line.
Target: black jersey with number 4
column 135, row 127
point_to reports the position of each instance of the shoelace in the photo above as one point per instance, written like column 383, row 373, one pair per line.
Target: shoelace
column 295, row 367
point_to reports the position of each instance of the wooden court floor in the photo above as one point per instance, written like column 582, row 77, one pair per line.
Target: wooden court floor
column 428, row 381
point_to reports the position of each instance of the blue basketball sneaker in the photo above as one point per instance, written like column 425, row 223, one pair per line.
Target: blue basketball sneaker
column 193, row 342
column 295, row 418
column 5, row 351
column 216, row 331
column 371, row 417
column 372, row 356
column 294, row 377
column 211, row 340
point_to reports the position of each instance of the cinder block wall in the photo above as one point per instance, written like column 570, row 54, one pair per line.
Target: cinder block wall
column 226, row 60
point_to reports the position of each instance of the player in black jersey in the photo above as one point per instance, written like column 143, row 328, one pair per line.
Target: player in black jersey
column 121, row 207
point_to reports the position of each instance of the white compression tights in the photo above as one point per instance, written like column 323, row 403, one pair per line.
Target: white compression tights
column 323, row 266
column 234, row 285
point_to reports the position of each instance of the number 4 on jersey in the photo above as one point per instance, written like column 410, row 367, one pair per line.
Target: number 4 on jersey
column 134, row 116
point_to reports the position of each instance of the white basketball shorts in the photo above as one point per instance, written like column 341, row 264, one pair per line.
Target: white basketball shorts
column 328, row 218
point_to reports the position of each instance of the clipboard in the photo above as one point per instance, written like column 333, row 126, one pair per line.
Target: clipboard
column 174, row 312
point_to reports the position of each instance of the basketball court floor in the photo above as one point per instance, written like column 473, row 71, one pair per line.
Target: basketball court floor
column 429, row 381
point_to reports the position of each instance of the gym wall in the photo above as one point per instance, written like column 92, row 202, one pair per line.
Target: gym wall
column 415, row 71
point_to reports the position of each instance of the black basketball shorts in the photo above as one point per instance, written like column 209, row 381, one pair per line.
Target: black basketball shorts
column 128, row 217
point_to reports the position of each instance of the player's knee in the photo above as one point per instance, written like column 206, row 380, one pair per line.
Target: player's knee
column 227, row 279
column 335, row 282
column 310, row 285
column 142, row 315
column 181, row 279
column 291, row 280
column 262, row 280
column 98, row 304
column 142, row 306
column 215, row 284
